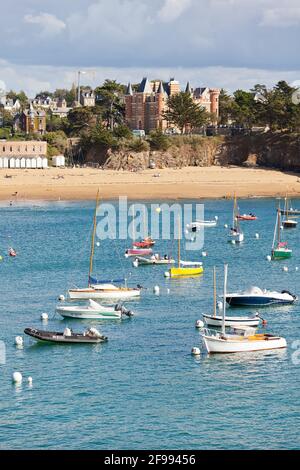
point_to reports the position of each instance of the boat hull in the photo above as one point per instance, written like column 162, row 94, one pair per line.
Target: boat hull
column 185, row 272
column 111, row 294
column 150, row 262
column 216, row 345
column 138, row 251
column 238, row 238
column 211, row 320
column 289, row 224
column 69, row 312
column 278, row 254
column 55, row 337
column 251, row 301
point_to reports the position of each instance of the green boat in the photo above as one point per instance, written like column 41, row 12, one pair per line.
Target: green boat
column 280, row 249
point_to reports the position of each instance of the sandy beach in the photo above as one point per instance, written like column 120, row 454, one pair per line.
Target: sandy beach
column 190, row 182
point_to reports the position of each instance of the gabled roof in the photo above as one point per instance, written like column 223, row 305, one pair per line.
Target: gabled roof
column 188, row 88
column 129, row 89
column 199, row 91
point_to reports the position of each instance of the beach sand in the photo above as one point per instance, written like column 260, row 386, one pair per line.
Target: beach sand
column 190, row 182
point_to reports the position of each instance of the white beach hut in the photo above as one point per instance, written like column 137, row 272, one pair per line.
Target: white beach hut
column 18, row 163
column 45, row 162
column 5, row 162
column 33, row 163
column 39, row 162
column 1, row 162
column 12, row 162
column 28, row 162
column 23, row 162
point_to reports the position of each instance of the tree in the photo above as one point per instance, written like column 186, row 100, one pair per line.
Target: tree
column 184, row 113
column 158, row 140
column 80, row 120
column 226, row 104
column 110, row 103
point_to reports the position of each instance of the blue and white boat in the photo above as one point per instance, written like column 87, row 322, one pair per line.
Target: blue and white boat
column 256, row 297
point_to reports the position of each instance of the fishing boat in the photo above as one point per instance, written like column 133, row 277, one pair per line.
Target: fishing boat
column 102, row 289
column 138, row 251
column 198, row 224
column 242, row 339
column 145, row 243
column 280, row 249
column 216, row 320
column 246, row 217
column 67, row 336
column 153, row 260
column 184, row 268
column 236, row 234
column 288, row 219
column 93, row 311
column 256, row 297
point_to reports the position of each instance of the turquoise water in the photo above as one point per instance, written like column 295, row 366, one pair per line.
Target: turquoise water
column 142, row 389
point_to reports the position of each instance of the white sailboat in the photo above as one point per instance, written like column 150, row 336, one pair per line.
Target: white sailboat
column 216, row 320
column 243, row 339
column 236, row 234
column 100, row 289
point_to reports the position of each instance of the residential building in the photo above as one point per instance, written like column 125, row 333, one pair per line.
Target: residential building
column 60, row 108
column 144, row 108
column 87, row 97
column 31, row 121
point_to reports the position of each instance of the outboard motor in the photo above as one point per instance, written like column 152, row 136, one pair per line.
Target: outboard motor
column 118, row 307
column 126, row 312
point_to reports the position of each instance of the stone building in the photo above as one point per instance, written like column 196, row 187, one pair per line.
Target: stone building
column 87, row 97
column 31, row 121
column 23, row 154
column 144, row 108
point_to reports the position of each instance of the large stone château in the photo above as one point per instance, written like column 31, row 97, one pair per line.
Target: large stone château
column 144, row 108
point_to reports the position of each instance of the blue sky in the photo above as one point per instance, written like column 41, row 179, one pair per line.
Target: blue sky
column 229, row 43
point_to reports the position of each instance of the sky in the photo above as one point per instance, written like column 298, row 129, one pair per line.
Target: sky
column 216, row 43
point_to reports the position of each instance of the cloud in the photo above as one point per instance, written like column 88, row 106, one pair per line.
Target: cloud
column 50, row 25
column 281, row 17
column 173, row 9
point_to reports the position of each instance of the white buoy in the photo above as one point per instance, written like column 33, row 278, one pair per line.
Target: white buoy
column 281, row 227
column 233, row 242
column 166, row 274
column 61, row 298
column 296, row 268
column 29, row 380
column 168, row 291
column 285, row 269
column 98, row 243
column 269, row 258
column 220, row 305
column 216, row 217
column 135, row 263
column 196, row 351
column 17, row 377
column 204, row 253
column 18, row 341
column 44, row 316
column 257, row 236
column 225, row 226
column 199, row 324
column 156, row 290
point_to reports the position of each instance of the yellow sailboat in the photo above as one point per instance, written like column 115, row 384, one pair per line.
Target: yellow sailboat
column 184, row 268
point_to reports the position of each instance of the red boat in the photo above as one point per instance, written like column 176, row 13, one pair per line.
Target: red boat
column 246, row 217
column 146, row 243
column 12, row 252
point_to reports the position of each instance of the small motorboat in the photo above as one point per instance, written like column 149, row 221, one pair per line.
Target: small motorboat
column 93, row 311
column 289, row 223
column 153, row 260
column 67, row 336
column 256, row 297
column 12, row 253
column 198, row 224
column 138, row 251
column 146, row 243
column 247, row 217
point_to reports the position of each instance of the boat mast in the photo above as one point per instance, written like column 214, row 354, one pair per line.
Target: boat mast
column 278, row 227
column 215, row 293
column 179, row 241
column 224, row 298
column 93, row 239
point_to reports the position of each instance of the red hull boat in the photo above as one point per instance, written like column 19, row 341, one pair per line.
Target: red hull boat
column 146, row 243
column 247, row 217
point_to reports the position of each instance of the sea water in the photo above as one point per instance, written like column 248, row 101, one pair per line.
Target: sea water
column 142, row 389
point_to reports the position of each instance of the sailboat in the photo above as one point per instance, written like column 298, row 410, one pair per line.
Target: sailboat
column 236, row 234
column 280, row 249
column 291, row 211
column 288, row 220
column 102, row 289
column 184, row 268
column 216, row 320
column 242, row 339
